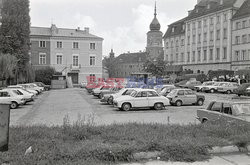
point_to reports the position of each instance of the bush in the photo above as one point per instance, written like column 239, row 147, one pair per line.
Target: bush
column 44, row 75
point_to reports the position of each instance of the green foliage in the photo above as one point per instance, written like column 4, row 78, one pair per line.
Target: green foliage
column 15, row 31
column 8, row 65
column 157, row 68
column 85, row 143
column 44, row 75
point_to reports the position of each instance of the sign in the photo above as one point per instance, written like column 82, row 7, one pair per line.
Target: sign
column 4, row 126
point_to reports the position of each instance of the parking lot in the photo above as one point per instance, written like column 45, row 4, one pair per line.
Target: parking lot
column 52, row 107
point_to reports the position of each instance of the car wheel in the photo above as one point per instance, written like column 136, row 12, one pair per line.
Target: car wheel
column 178, row 103
column 100, row 96
column 126, row 106
column 110, row 101
column 13, row 105
column 200, row 102
column 212, row 90
column 229, row 92
column 158, row 106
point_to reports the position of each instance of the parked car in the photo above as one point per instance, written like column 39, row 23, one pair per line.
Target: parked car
column 227, row 87
column 141, row 98
column 181, row 83
column 238, row 110
column 83, row 84
column 123, row 92
column 198, row 88
column 181, row 97
column 97, row 91
column 109, row 92
column 159, row 88
column 36, row 87
column 243, row 90
column 26, row 95
column 40, row 84
column 212, row 88
column 190, row 84
column 30, row 87
column 11, row 97
column 26, row 89
column 165, row 91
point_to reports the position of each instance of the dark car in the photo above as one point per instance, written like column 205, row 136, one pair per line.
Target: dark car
column 242, row 90
column 190, row 84
column 40, row 84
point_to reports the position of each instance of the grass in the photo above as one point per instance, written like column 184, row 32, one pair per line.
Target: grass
column 85, row 143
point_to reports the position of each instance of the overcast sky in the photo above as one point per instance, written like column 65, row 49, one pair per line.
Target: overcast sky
column 122, row 23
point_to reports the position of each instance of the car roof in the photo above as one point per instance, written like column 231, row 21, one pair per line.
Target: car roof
column 142, row 90
column 235, row 101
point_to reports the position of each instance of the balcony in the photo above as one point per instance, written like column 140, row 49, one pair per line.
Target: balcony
column 75, row 68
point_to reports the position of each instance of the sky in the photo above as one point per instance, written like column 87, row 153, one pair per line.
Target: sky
column 122, row 24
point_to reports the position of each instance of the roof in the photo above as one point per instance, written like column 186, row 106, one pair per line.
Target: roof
column 244, row 10
column 132, row 57
column 202, row 9
column 53, row 31
column 178, row 25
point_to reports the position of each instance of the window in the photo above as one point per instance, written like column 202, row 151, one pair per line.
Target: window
column 205, row 55
column 193, row 59
column 218, row 34
column 199, row 55
column 225, row 53
column 244, row 24
column 177, row 43
column 205, row 36
column 237, row 25
column 142, row 94
column 237, row 40
column 152, row 94
column 58, row 44
column 217, row 53
column 92, row 46
column 171, row 58
column 188, row 27
column 42, row 58
column 211, row 21
column 218, row 19
column 173, row 29
column 194, row 38
column 199, row 24
column 216, row 107
column 92, row 77
column 166, row 44
column 227, row 109
column 188, row 40
column 237, row 55
column 182, row 42
column 249, row 34
column 225, row 33
column 172, row 44
column 182, row 57
column 59, row 59
column 75, row 60
column 211, row 35
column 4, row 94
column 177, row 57
column 205, row 22
column 188, row 57
column 180, row 93
column 42, row 44
column 244, row 39
column 211, row 54
column 92, row 60
column 193, row 26
column 199, row 38
column 244, row 54
column 75, row 45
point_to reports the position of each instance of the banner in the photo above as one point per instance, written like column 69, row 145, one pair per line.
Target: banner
column 4, row 126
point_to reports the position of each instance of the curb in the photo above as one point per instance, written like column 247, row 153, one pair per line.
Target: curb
column 228, row 149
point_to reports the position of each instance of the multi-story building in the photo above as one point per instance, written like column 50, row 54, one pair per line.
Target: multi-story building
column 74, row 52
column 208, row 37
column 241, row 38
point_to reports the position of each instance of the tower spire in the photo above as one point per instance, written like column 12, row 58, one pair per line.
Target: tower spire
column 155, row 9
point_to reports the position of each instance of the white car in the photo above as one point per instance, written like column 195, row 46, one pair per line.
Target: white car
column 141, row 98
column 212, row 88
column 200, row 87
column 29, row 87
column 27, row 95
column 123, row 92
column 11, row 97
column 34, row 92
column 36, row 87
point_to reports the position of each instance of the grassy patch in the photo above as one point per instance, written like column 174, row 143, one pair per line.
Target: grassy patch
column 83, row 143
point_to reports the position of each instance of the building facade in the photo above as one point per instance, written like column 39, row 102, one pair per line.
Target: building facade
column 208, row 37
column 74, row 52
column 241, row 38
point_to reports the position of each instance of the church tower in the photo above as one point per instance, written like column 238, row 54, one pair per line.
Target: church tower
column 154, row 39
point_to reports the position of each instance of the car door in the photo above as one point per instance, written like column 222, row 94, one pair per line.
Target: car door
column 181, row 96
column 141, row 99
column 227, row 113
column 215, row 111
column 153, row 97
column 190, row 97
column 4, row 97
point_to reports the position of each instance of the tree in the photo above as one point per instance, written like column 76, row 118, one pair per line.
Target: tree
column 156, row 67
column 15, row 31
column 45, row 75
column 8, row 67
column 109, row 64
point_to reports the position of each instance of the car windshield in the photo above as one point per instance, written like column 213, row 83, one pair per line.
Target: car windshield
column 242, row 108
column 216, row 84
column 208, row 83
column 223, row 84
column 173, row 92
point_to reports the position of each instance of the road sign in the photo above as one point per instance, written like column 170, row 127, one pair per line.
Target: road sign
column 4, row 126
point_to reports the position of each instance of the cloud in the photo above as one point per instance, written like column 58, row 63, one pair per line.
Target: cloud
column 84, row 20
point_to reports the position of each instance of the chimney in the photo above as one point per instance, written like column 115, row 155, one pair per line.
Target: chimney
column 78, row 28
column 86, row 29
column 189, row 12
column 53, row 29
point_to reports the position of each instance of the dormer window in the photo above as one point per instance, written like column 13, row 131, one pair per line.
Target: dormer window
column 208, row 6
column 221, row 2
column 173, row 30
